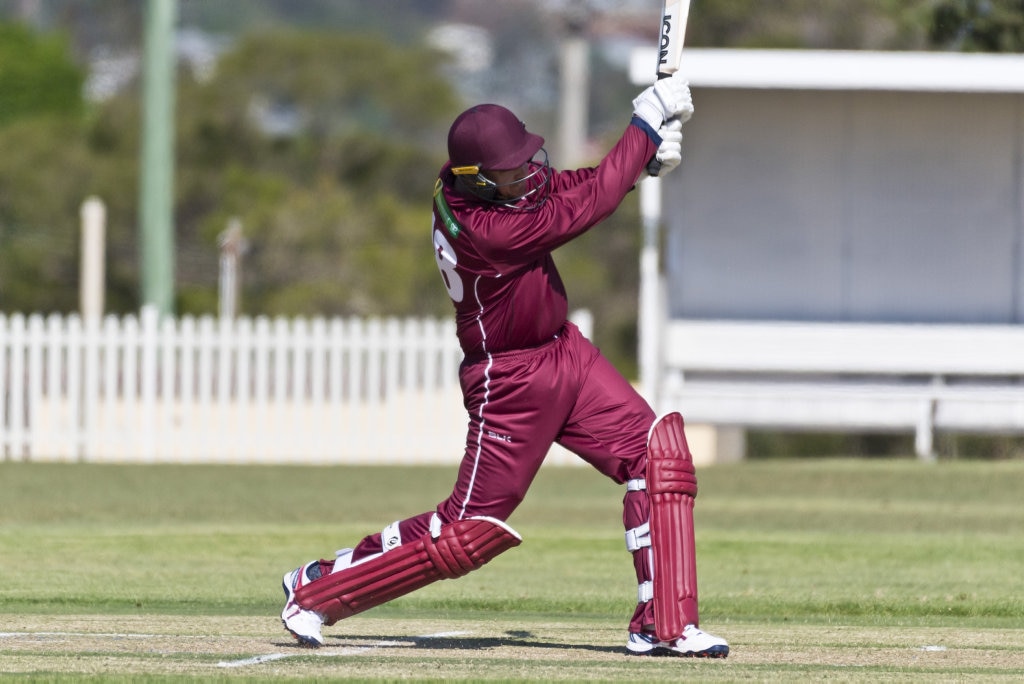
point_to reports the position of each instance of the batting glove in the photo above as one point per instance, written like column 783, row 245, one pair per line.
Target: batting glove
column 668, row 98
column 670, row 152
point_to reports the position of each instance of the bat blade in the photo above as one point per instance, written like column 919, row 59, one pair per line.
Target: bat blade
column 674, row 16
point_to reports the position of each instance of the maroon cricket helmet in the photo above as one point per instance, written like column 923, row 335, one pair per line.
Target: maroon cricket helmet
column 491, row 137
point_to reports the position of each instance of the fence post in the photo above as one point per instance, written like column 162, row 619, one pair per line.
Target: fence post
column 150, row 341
column 187, row 390
column 261, row 383
column 206, row 343
column 76, row 436
column 5, row 447
column 36, row 341
column 244, row 399
column 17, row 386
column 90, row 351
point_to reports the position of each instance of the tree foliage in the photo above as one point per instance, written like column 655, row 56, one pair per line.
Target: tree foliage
column 801, row 24
column 334, row 206
column 324, row 144
column 28, row 59
column 978, row 25
column 326, row 147
column 960, row 25
column 40, row 135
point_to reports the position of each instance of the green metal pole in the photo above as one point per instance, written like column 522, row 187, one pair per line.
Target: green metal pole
column 156, row 201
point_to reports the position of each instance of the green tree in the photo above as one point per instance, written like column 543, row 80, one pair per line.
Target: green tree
column 334, row 208
column 43, row 157
column 821, row 24
column 326, row 147
column 49, row 166
column 978, row 25
column 37, row 76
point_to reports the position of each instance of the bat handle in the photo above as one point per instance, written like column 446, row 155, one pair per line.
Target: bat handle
column 654, row 166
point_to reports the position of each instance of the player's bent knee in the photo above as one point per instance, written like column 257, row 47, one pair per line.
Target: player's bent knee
column 456, row 549
column 669, row 462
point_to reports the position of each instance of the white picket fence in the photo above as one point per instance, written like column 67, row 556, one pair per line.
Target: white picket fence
column 142, row 389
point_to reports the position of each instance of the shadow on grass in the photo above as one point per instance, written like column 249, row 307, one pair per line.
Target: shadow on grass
column 518, row 639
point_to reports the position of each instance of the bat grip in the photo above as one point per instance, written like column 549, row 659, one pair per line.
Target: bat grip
column 654, row 166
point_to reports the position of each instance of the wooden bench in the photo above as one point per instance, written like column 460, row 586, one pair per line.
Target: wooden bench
column 847, row 377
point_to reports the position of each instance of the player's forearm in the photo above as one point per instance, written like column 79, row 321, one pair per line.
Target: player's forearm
column 579, row 200
column 598, row 195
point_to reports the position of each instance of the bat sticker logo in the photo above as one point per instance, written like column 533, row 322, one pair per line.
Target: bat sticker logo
column 666, row 38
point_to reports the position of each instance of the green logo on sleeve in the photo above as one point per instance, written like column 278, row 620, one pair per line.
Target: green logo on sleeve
column 443, row 209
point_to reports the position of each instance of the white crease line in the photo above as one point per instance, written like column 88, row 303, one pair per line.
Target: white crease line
column 9, row 635
column 332, row 653
column 327, row 652
column 254, row 661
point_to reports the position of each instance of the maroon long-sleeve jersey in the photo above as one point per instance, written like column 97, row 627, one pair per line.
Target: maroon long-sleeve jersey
column 530, row 379
column 496, row 262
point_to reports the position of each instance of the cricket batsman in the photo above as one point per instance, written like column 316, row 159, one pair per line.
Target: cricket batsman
column 529, row 379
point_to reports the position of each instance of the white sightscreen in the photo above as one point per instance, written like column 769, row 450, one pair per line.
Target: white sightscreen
column 860, row 206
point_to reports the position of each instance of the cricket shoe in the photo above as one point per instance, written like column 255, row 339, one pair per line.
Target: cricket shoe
column 694, row 643
column 303, row 624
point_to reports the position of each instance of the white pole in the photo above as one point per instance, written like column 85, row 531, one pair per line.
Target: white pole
column 649, row 323
column 232, row 246
column 91, row 278
column 575, row 78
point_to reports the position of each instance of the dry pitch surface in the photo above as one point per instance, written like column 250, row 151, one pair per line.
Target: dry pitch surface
column 376, row 648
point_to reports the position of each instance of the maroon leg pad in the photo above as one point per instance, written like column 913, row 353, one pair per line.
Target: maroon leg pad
column 462, row 546
column 672, row 486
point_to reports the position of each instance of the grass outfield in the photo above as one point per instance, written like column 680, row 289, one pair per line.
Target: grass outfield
column 858, row 570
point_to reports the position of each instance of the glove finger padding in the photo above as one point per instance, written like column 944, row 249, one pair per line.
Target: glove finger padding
column 670, row 157
column 670, row 152
column 682, row 107
column 671, row 131
column 668, row 98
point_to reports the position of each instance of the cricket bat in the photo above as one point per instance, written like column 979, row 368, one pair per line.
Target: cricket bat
column 674, row 14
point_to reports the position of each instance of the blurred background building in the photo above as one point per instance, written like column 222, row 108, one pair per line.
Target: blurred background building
column 313, row 130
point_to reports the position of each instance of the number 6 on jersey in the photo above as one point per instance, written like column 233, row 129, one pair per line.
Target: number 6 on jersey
column 446, row 260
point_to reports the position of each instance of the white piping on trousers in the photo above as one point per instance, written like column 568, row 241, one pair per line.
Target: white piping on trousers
column 487, row 394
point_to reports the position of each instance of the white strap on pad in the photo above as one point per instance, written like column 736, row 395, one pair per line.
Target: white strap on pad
column 636, row 484
column 638, row 537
